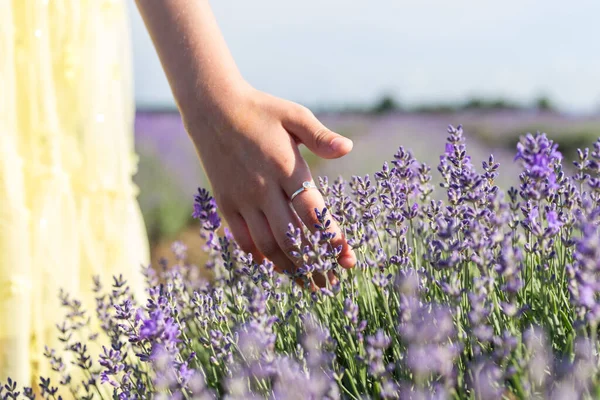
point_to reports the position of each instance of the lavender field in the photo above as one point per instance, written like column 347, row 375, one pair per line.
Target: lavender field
column 485, row 294
column 170, row 171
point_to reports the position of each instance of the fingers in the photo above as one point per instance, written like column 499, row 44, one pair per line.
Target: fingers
column 303, row 124
column 266, row 243
column 279, row 215
column 241, row 234
column 264, row 235
column 305, row 204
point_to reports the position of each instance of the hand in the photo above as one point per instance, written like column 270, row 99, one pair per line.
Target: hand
column 248, row 144
column 247, row 140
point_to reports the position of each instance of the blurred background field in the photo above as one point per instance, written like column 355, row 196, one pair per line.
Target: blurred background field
column 170, row 171
column 386, row 73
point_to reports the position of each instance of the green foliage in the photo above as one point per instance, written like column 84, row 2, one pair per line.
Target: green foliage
column 568, row 140
column 543, row 103
column 385, row 105
column 165, row 205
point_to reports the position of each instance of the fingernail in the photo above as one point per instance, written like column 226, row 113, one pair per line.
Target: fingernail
column 348, row 260
column 341, row 144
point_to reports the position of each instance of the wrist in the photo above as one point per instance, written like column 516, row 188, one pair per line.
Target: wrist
column 213, row 107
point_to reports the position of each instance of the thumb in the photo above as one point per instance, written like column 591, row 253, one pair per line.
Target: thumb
column 313, row 134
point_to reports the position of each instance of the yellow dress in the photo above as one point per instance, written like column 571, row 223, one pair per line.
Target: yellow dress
column 67, row 202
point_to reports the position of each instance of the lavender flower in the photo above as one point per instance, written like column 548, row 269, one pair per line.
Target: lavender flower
column 205, row 210
column 540, row 159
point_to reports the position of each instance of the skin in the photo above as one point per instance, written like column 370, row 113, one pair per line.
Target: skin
column 247, row 140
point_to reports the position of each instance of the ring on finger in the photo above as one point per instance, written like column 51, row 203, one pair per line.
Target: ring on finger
column 306, row 185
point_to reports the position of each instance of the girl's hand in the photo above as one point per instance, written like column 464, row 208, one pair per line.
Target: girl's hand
column 247, row 140
column 248, row 144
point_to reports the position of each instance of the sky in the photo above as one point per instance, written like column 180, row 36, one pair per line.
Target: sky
column 347, row 52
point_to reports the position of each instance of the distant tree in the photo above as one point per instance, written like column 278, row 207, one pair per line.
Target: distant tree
column 503, row 104
column 543, row 103
column 385, row 105
column 474, row 104
column 477, row 103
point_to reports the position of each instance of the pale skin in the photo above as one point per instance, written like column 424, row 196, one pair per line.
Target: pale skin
column 247, row 140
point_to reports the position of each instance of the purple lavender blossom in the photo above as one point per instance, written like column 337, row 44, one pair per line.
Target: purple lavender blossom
column 205, row 210
column 540, row 159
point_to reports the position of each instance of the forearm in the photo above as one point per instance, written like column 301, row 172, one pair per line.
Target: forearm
column 193, row 53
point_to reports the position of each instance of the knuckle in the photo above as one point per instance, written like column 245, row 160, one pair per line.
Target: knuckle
column 321, row 137
column 256, row 189
column 303, row 112
column 285, row 166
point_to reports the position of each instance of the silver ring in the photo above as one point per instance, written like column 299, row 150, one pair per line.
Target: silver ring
column 305, row 186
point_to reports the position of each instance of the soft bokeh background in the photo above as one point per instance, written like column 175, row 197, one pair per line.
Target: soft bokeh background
column 386, row 73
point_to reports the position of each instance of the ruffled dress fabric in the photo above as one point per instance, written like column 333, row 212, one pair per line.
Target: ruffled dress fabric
column 68, row 207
